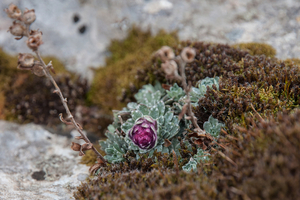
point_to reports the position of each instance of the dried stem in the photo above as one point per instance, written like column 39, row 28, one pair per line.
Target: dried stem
column 188, row 100
column 33, row 42
column 64, row 102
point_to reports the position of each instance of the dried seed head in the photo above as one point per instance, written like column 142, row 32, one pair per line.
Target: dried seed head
column 37, row 69
column 75, row 146
column 34, row 40
column 87, row 146
column 188, row 54
column 13, row 11
column 25, row 60
column 17, row 29
column 170, row 68
column 28, row 16
column 165, row 53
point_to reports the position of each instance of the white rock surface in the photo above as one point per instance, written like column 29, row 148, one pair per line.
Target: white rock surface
column 276, row 22
column 36, row 164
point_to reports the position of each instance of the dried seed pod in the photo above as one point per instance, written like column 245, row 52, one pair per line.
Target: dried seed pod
column 188, row 54
column 28, row 16
column 170, row 68
column 87, row 146
column 34, row 40
column 165, row 53
column 17, row 29
column 37, row 69
column 75, row 146
column 13, row 11
column 25, row 61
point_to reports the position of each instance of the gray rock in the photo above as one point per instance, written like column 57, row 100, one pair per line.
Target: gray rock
column 36, row 164
column 82, row 43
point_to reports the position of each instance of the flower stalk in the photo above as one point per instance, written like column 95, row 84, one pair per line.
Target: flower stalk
column 21, row 27
column 170, row 68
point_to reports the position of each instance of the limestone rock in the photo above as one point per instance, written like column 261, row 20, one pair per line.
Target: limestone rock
column 36, row 164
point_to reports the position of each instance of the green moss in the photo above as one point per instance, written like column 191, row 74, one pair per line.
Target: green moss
column 128, row 56
column 255, row 48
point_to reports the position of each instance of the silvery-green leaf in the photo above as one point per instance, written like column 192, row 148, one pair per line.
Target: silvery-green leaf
column 212, row 126
column 148, row 98
column 161, row 120
column 110, row 136
column 159, row 148
column 162, row 133
column 173, row 131
column 165, row 150
column 154, row 112
column 168, row 117
column 127, row 126
column 132, row 105
column 175, row 120
column 175, row 92
column 143, row 109
column 161, row 108
column 212, row 120
column 117, row 148
column 103, row 145
column 168, row 109
column 169, row 126
column 143, row 151
column 109, row 151
column 136, row 114
column 207, row 126
column 201, row 156
column 157, row 86
column 151, row 153
column 111, row 128
column 191, row 165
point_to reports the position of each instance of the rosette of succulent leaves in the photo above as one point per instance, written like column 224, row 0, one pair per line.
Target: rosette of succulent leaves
column 164, row 106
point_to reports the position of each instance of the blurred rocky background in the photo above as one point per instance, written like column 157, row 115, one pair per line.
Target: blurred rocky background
column 78, row 32
column 37, row 164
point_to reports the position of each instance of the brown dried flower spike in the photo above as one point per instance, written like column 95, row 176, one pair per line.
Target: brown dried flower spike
column 21, row 27
column 13, row 11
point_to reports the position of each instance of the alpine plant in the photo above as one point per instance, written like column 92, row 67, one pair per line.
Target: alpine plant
column 143, row 127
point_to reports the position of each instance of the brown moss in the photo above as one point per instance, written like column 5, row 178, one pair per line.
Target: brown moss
column 127, row 57
column 293, row 61
column 266, row 84
column 257, row 49
column 267, row 161
column 157, row 184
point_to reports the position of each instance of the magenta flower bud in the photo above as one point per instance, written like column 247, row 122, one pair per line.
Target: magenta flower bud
column 144, row 133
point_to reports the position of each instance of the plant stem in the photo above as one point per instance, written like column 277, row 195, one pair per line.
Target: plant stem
column 188, row 100
column 64, row 102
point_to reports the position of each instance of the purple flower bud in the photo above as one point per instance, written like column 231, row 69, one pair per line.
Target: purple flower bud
column 144, row 133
